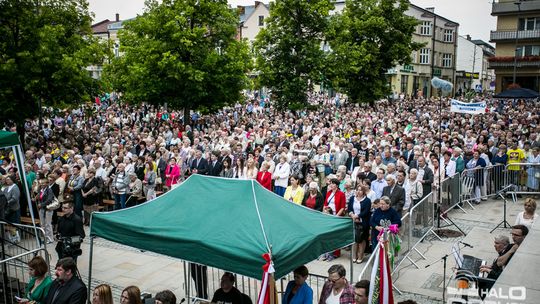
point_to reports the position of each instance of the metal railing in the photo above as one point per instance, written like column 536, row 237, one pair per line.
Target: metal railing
column 511, row 34
column 522, row 178
column 15, row 255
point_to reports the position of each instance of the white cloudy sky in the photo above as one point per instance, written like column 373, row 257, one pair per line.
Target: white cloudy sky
column 472, row 15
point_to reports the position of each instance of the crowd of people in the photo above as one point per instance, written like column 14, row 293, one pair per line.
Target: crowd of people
column 68, row 288
column 369, row 162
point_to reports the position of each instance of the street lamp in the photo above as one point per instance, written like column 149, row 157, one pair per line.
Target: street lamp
column 518, row 3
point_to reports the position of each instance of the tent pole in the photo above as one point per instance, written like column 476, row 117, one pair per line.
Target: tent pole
column 351, row 265
column 19, row 160
column 187, row 276
column 90, row 269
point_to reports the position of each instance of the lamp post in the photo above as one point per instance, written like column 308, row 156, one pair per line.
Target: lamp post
column 518, row 3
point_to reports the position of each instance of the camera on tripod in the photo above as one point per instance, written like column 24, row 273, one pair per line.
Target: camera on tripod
column 71, row 245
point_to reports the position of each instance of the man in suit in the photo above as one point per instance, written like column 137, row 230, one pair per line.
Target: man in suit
column 67, row 288
column 425, row 176
column 199, row 165
column 395, row 193
column 352, row 161
column 215, row 166
column 367, row 171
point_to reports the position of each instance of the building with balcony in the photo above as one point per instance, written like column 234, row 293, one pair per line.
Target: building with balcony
column 517, row 40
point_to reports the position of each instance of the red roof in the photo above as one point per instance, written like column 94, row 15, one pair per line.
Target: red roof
column 101, row 27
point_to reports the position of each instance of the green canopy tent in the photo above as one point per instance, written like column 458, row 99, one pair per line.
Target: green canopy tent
column 227, row 224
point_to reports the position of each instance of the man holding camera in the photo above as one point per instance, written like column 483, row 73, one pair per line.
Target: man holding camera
column 70, row 233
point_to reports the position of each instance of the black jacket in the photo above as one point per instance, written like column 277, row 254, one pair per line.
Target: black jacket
column 72, row 292
column 214, row 170
column 397, row 197
column 202, row 167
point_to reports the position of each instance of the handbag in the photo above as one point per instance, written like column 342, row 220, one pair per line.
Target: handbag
column 55, row 204
column 327, row 170
column 159, row 181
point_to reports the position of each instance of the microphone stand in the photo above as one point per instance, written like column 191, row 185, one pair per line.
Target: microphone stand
column 444, row 258
column 504, row 222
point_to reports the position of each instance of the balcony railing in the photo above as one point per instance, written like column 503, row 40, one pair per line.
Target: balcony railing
column 511, row 35
column 508, row 61
column 509, row 8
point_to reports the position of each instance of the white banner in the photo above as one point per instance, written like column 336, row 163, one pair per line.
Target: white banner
column 467, row 108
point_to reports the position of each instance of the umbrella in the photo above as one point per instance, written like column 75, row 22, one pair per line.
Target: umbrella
column 517, row 93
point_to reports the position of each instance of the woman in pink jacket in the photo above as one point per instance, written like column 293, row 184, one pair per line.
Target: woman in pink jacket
column 172, row 173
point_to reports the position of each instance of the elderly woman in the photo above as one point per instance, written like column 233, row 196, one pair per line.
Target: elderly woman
column 474, row 167
column 298, row 291
column 383, row 216
column 294, row 193
column 413, row 189
column 529, row 215
column 533, row 171
column 359, row 208
column 281, row 176
column 313, row 198
column 135, row 190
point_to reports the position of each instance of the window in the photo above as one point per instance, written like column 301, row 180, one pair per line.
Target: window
column 404, row 83
column 261, row 20
column 528, row 50
column 448, row 36
column 447, row 60
column 425, row 56
column 425, row 28
column 529, row 24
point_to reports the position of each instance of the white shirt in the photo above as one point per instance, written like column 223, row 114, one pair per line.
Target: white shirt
column 334, row 299
column 281, row 174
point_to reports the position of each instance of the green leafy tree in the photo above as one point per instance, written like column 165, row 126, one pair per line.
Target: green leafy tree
column 368, row 38
column 45, row 47
column 290, row 57
column 183, row 53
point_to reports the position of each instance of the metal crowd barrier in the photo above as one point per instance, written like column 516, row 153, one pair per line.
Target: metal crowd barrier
column 523, row 178
column 420, row 222
column 202, row 281
column 14, row 258
column 481, row 183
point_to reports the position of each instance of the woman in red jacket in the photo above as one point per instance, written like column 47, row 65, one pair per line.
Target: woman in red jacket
column 334, row 204
column 264, row 177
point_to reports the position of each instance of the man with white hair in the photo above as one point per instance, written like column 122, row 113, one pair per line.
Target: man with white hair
column 395, row 192
column 458, row 158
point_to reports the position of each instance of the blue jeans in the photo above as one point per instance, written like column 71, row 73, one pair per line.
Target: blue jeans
column 120, row 201
column 279, row 190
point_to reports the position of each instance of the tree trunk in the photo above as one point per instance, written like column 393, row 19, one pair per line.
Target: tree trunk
column 21, row 131
column 187, row 118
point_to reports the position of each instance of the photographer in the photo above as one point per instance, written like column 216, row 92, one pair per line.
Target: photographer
column 69, row 225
